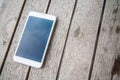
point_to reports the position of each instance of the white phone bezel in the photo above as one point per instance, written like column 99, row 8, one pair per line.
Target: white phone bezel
column 28, row 61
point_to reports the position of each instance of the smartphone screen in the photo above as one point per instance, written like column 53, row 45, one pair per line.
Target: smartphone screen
column 34, row 38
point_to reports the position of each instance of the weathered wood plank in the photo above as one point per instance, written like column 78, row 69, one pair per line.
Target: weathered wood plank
column 11, row 69
column 79, row 49
column 107, row 63
column 9, row 13
column 63, row 10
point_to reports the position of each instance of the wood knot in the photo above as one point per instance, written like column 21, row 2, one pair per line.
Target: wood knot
column 77, row 32
column 105, row 49
column 117, row 29
column 115, row 10
column 4, row 42
column 116, row 67
column 103, row 29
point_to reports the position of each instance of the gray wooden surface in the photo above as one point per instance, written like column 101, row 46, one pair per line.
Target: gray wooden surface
column 81, row 40
column 85, row 44
column 108, row 50
column 8, row 19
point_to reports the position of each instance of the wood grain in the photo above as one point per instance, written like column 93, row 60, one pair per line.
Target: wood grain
column 107, row 60
column 11, row 69
column 9, row 13
column 63, row 10
column 80, row 44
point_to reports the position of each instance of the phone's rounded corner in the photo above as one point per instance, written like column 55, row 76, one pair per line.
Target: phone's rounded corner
column 38, row 65
column 53, row 18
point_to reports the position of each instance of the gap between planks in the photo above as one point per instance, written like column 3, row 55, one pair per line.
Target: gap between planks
column 9, row 45
column 96, row 41
column 106, row 64
column 76, row 62
column 66, row 39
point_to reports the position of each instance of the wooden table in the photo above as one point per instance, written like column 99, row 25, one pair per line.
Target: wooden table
column 85, row 44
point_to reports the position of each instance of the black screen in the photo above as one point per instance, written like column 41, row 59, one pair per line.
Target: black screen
column 34, row 38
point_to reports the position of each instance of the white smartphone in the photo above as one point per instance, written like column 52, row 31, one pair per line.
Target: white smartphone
column 34, row 40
